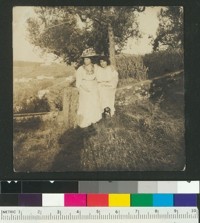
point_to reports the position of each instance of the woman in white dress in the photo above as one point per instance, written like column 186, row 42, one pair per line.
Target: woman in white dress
column 107, row 78
column 89, row 110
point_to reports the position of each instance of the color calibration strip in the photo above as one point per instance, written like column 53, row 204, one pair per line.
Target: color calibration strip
column 99, row 200
column 102, row 187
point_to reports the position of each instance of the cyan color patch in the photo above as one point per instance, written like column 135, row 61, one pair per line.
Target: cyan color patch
column 163, row 200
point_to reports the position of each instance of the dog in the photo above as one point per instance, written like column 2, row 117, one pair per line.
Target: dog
column 107, row 113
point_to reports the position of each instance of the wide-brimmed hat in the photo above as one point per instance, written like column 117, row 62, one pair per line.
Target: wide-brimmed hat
column 90, row 52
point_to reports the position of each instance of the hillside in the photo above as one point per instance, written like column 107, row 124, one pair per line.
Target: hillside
column 25, row 63
column 139, row 137
column 23, row 69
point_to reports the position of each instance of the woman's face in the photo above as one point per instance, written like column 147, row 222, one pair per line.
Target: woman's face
column 103, row 63
column 87, row 61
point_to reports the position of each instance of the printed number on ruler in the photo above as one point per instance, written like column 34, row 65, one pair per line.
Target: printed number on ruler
column 99, row 215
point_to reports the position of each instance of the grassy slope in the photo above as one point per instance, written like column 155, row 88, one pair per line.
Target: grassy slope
column 32, row 70
column 24, row 91
column 144, row 135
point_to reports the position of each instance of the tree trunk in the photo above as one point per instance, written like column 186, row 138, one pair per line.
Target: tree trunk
column 111, row 45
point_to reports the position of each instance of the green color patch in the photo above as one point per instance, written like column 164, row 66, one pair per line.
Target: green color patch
column 142, row 200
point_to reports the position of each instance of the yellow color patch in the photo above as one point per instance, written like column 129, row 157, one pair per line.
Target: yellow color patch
column 119, row 200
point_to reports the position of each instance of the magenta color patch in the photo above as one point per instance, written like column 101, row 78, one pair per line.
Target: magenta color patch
column 75, row 200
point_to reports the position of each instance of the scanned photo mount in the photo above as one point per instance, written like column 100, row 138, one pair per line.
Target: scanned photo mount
column 99, row 91
column 98, row 88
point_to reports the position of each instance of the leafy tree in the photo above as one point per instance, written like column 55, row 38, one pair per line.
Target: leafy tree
column 170, row 30
column 67, row 31
column 55, row 31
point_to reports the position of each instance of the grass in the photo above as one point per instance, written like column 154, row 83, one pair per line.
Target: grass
column 34, row 150
column 143, row 135
column 47, row 148
column 140, row 137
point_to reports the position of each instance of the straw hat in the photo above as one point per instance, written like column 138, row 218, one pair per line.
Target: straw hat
column 90, row 52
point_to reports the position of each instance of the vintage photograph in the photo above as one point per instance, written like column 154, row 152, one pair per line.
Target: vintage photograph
column 98, row 88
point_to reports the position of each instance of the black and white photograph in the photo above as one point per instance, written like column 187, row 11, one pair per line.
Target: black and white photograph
column 98, row 88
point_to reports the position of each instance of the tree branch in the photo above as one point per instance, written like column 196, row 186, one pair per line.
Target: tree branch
column 54, row 26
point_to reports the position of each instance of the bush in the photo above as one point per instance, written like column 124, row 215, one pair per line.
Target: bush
column 34, row 104
column 163, row 62
column 130, row 66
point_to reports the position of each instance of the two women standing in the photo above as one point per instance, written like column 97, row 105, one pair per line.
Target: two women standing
column 97, row 86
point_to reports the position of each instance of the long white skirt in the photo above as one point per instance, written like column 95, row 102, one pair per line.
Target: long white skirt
column 107, row 98
column 89, row 110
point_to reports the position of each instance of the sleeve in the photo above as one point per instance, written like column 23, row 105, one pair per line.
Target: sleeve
column 78, row 77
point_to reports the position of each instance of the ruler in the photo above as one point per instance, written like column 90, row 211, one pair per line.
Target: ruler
column 99, row 215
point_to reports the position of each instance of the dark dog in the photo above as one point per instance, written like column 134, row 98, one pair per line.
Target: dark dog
column 106, row 113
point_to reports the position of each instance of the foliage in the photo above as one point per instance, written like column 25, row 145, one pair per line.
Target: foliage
column 163, row 62
column 123, row 22
column 130, row 66
column 49, row 39
column 170, row 30
column 26, row 99
column 32, row 105
column 67, row 31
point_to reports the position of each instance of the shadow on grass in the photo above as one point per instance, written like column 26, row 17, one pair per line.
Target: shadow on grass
column 146, row 135
column 27, row 124
column 71, row 143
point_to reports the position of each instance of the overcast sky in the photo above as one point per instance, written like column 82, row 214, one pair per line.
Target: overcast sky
column 23, row 50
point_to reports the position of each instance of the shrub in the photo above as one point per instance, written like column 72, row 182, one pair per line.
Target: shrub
column 34, row 104
column 163, row 62
column 130, row 66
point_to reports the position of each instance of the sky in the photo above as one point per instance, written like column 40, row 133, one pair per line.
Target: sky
column 23, row 50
